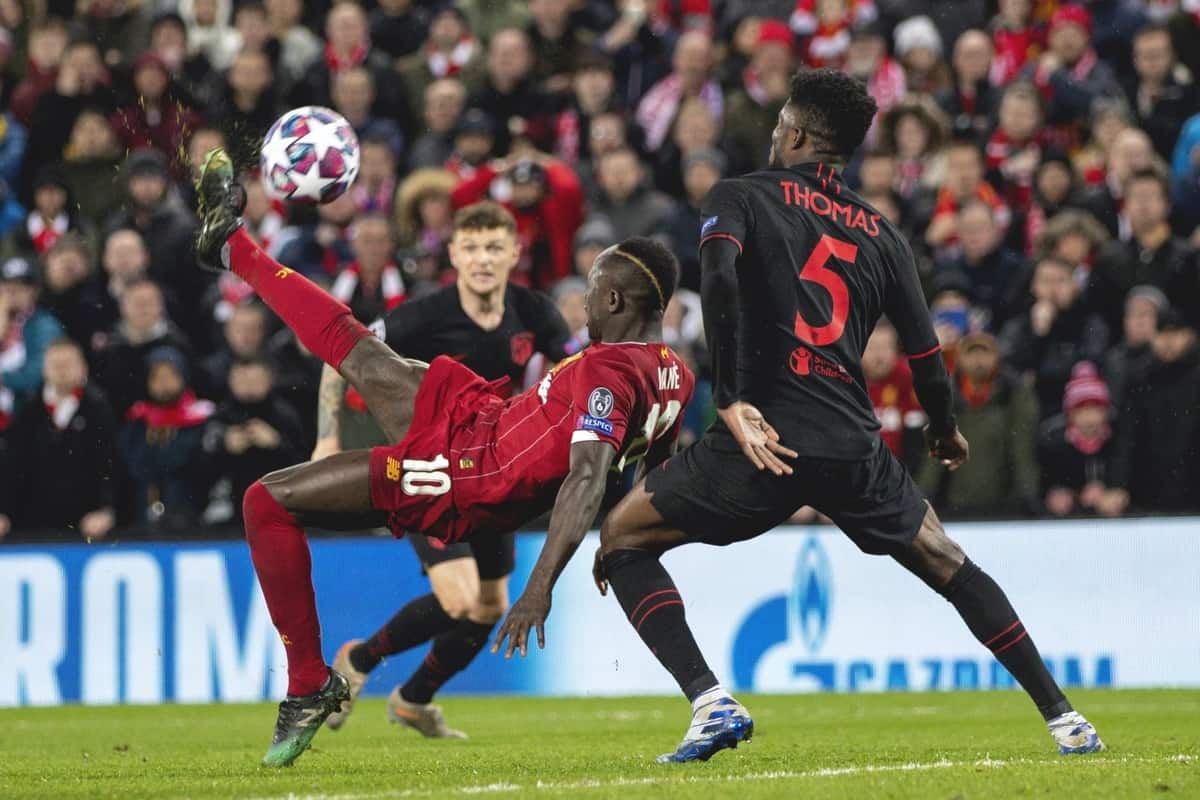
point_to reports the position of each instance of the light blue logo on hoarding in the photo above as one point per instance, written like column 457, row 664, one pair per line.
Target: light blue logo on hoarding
column 812, row 594
column 802, row 615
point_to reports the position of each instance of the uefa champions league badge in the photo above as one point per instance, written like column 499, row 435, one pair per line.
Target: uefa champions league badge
column 600, row 403
column 708, row 224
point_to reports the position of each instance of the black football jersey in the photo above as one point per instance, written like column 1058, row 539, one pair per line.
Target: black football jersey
column 436, row 325
column 818, row 267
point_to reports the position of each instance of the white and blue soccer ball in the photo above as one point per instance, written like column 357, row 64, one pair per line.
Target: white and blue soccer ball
column 310, row 155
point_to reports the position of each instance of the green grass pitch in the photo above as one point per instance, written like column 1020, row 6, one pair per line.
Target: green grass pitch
column 962, row 745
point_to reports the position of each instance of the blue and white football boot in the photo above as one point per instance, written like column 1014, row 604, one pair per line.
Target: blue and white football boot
column 1074, row 734
column 718, row 724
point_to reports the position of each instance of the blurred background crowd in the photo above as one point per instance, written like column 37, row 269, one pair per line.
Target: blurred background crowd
column 1042, row 157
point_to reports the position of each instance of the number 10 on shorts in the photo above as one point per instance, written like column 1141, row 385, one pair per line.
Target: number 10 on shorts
column 425, row 477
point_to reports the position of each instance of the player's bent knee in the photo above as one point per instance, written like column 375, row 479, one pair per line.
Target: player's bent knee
column 492, row 602
column 488, row 613
column 615, row 534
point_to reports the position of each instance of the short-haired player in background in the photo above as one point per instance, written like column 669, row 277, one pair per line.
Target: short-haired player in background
column 493, row 328
column 467, row 463
column 796, row 270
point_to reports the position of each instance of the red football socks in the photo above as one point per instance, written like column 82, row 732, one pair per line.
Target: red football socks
column 324, row 325
column 284, row 566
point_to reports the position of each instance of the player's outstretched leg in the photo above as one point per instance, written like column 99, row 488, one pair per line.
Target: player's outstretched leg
column 334, row 493
column 387, row 382
column 416, row 623
column 480, row 605
column 941, row 563
column 461, row 612
column 633, row 538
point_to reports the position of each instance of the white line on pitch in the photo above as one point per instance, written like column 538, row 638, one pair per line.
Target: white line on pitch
column 505, row 787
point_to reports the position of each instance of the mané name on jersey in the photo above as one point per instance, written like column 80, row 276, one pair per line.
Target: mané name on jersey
column 508, row 462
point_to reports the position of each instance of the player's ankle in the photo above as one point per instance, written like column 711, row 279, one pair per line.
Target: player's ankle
column 362, row 659
column 709, row 696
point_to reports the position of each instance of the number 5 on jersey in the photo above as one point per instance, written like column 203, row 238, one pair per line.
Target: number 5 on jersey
column 816, row 272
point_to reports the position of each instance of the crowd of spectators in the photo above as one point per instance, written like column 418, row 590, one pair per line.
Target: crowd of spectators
column 1042, row 157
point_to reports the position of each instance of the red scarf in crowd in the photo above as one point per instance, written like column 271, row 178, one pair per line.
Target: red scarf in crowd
column 947, row 203
column 976, row 395
column 43, row 234
column 1088, row 445
column 999, row 149
column 6, row 407
column 392, row 285
column 828, row 45
column 446, row 65
column 335, row 62
column 186, row 412
column 61, row 409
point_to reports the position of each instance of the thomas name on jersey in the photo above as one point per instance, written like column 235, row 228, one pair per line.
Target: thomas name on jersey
column 795, row 194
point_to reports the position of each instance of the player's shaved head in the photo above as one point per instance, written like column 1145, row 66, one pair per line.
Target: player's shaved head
column 644, row 270
column 827, row 114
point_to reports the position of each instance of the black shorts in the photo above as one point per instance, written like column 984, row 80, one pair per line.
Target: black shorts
column 495, row 556
column 713, row 493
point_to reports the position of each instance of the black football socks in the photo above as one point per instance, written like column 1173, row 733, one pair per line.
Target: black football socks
column 655, row 610
column 991, row 618
column 418, row 622
column 450, row 655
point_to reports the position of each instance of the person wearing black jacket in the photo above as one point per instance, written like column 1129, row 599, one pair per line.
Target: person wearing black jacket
column 78, row 299
column 1152, row 255
column 58, row 455
column 1162, row 94
column 253, row 432
column 1055, row 333
column 121, row 364
column 1156, row 466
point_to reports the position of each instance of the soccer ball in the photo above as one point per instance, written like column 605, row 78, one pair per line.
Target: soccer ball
column 310, row 155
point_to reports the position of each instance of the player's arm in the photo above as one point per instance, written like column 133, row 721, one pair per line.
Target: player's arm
column 330, row 396
column 908, row 312
column 719, row 297
column 575, row 509
column 394, row 329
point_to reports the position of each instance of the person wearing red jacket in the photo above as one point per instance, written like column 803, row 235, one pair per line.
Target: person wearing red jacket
column 546, row 198
column 890, row 385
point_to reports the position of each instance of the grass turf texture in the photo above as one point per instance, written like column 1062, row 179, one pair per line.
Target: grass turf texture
column 960, row 745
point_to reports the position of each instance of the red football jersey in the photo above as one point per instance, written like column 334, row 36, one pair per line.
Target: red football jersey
column 896, row 406
column 507, row 462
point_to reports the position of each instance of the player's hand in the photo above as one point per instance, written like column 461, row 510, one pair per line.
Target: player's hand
column 598, row 572
column 1114, row 503
column 1041, row 317
column 263, row 435
column 326, row 446
column 237, row 440
column 1060, row 501
column 950, row 451
column 758, row 440
column 5, row 525
column 1092, row 495
column 530, row 611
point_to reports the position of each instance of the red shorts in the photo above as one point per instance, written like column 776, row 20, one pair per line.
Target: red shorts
column 411, row 480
